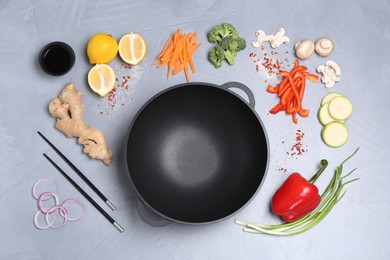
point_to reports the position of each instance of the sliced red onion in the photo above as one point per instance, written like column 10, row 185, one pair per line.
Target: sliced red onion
column 49, row 213
column 78, row 203
column 34, row 192
column 42, row 198
column 36, row 222
column 64, row 214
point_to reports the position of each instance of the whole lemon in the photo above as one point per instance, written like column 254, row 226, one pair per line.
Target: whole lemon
column 102, row 48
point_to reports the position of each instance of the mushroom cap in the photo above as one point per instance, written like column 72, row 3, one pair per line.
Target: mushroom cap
column 324, row 46
column 304, row 49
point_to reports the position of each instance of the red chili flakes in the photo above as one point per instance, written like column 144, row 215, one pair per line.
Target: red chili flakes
column 270, row 63
column 298, row 147
column 112, row 95
column 126, row 79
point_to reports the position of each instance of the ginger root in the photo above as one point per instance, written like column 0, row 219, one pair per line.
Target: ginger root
column 68, row 108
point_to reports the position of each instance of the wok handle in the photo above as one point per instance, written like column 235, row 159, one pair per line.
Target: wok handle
column 247, row 91
column 149, row 216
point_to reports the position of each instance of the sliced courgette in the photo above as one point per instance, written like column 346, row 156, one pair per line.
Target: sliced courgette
column 329, row 97
column 340, row 108
column 334, row 134
column 324, row 117
column 323, row 114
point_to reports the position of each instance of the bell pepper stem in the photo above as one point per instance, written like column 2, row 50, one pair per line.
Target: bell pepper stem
column 324, row 164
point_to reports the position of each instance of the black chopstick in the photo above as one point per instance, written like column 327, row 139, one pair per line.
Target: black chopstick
column 82, row 176
column 108, row 217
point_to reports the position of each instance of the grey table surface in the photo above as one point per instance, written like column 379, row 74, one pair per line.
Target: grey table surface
column 357, row 228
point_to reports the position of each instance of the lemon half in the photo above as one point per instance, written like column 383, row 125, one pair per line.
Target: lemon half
column 102, row 48
column 132, row 48
column 101, row 79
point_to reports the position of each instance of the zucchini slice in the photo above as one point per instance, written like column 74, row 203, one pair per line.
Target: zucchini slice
column 323, row 114
column 340, row 108
column 324, row 117
column 329, row 97
column 334, row 134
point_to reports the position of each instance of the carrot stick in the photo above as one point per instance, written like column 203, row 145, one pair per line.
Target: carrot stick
column 189, row 55
column 177, row 53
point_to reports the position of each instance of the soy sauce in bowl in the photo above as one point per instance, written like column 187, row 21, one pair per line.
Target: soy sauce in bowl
column 57, row 58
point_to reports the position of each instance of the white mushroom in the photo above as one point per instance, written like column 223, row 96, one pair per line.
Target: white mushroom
column 333, row 70
column 279, row 38
column 331, row 73
column 275, row 40
column 324, row 46
column 304, row 49
column 261, row 38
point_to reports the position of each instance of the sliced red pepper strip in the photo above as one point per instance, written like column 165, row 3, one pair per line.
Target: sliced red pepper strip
column 291, row 90
column 312, row 78
column 294, row 118
column 276, row 109
column 283, row 85
column 272, row 90
column 303, row 112
column 293, row 87
column 287, row 97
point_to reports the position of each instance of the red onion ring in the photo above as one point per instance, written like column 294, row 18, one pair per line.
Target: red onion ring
column 64, row 214
column 41, row 198
column 78, row 203
column 37, row 225
column 34, row 193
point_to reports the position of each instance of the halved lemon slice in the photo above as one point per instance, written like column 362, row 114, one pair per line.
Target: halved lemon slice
column 101, row 79
column 132, row 48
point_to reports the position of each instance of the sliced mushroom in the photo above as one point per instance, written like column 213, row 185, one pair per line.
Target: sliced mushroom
column 275, row 40
column 331, row 73
column 304, row 49
column 279, row 38
column 333, row 70
column 324, row 46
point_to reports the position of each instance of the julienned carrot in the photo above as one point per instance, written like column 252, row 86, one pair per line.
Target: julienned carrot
column 291, row 91
column 177, row 53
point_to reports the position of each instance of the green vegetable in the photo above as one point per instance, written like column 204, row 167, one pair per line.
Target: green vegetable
column 329, row 198
column 328, row 97
column 324, row 117
column 340, row 108
column 219, row 32
column 334, row 110
column 216, row 56
column 231, row 46
column 229, row 43
column 334, row 134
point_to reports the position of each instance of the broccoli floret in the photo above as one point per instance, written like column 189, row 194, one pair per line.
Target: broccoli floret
column 228, row 44
column 216, row 56
column 231, row 46
column 219, row 32
column 241, row 44
column 230, row 30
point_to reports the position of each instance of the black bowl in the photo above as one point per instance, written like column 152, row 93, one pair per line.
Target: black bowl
column 57, row 58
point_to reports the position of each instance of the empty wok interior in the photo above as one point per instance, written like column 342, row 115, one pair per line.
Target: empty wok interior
column 196, row 153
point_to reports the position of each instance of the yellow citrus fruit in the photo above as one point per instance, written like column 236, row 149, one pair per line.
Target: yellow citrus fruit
column 101, row 79
column 132, row 48
column 102, row 48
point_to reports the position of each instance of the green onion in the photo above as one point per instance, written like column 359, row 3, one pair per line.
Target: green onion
column 333, row 193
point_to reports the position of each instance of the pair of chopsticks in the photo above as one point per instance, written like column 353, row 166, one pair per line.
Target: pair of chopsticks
column 90, row 184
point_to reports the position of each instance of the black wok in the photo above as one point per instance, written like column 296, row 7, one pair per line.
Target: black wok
column 196, row 153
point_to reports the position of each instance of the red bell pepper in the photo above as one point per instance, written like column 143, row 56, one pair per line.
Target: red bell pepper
column 297, row 196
